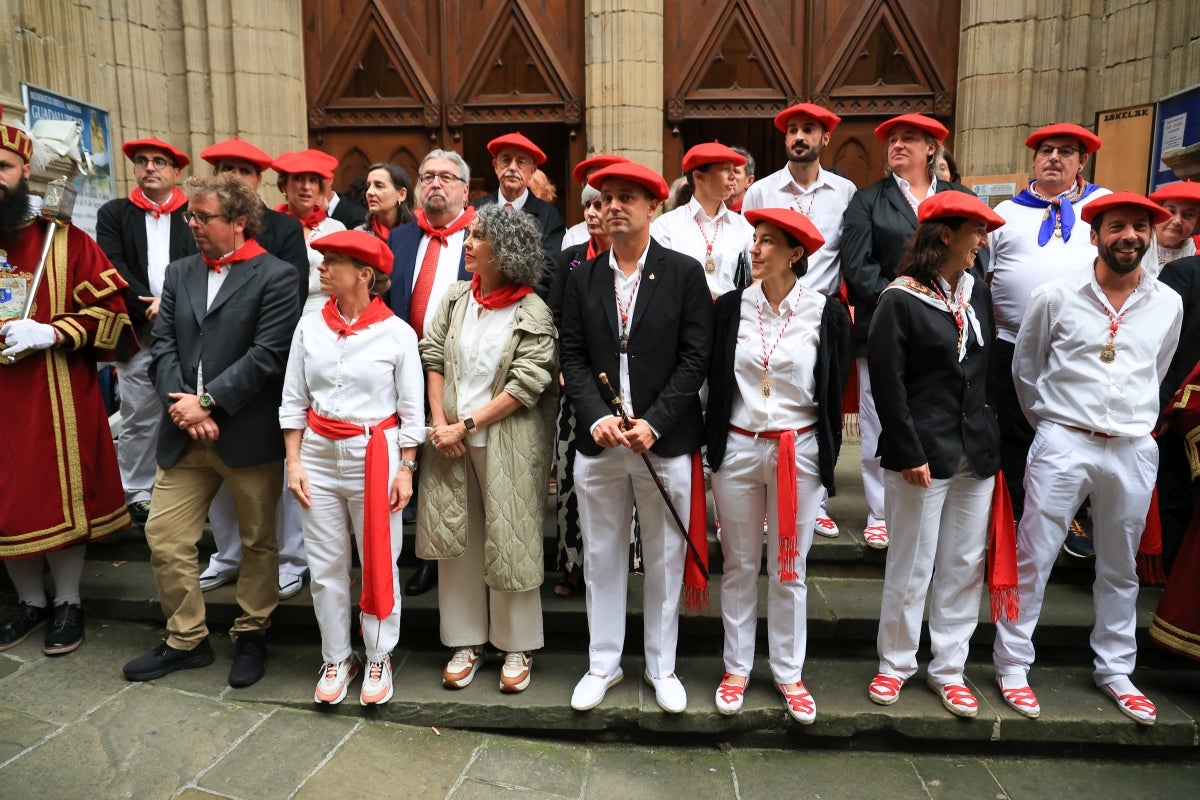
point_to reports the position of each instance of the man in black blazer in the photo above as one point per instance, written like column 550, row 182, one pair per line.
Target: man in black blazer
column 515, row 159
column 220, row 345
column 349, row 214
column 642, row 315
column 140, row 235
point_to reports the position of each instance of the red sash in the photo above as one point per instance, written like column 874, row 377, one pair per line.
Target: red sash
column 1002, row 555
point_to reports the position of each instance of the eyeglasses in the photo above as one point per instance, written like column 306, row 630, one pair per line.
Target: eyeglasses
column 200, row 217
column 141, row 162
column 428, row 178
column 1047, row 150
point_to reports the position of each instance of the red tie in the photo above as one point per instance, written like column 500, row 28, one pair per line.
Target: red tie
column 424, row 286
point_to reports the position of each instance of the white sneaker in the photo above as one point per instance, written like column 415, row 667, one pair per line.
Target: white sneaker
column 335, row 681
column 824, row 526
column 590, row 690
column 377, row 683
column 668, row 692
column 463, row 665
column 290, row 586
column 212, row 577
column 516, row 672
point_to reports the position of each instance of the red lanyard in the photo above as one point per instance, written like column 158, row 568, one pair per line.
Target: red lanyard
column 624, row 307
column 709, row 264
column 768, row 352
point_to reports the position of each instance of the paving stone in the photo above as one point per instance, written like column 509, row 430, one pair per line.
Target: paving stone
column 951, row 778
column 273, row 760
column 145, row 743
column 824, row 776
column 382, row 760
column 1022, row 778
column 196, row 794
column 532, row 765
column 619, row 773
column 18, row 731
column 482, row 790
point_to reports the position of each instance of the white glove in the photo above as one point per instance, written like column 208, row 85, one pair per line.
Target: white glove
column 26, row 334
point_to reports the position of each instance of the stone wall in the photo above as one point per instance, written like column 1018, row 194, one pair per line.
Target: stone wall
column 1026, row 63
column 189, row 71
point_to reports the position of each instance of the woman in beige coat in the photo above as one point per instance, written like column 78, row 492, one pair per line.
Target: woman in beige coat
column 490, row 360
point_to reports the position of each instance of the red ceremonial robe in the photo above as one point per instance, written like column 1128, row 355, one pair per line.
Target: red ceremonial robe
column 62, row 487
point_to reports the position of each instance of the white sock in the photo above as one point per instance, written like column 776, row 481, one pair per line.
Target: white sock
column 26, row 575
column 1122, row 685
column 66, row 568
column 1018, row 681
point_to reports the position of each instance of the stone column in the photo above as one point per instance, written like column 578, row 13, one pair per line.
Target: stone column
column 623, row 74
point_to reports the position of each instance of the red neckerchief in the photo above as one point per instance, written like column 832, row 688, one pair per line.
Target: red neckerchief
column 175, row 201
column 498, row 298
column 251, row 249
column 379, row 227
column 310, row 220
column 374, row 312
column 444, row 233
column 593, row 248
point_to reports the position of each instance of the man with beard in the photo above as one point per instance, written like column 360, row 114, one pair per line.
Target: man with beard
column 1090, row 355
column 821, row 196
column 62, row 488
column 428, row 255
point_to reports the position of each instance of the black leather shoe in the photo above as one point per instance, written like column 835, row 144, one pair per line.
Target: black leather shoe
column 249, row 660
column 27, row 619
column 424, row 579
column 66, row 632
column 165, row 659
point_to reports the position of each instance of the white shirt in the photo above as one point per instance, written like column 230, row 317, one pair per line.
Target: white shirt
column 906, row 190
column 449, row 260
column 1018, row 265
column 316, row 298
column 361, row 379
column 517, row 204
column 216, row 279
column 680, row 230
column 158, row 251
column 482, row 341
column 1057, row 368
column 576, row 234
column 792, row 403
column 824, row 202
column 627, row 288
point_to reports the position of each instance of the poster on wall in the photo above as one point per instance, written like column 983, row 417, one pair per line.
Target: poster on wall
column 1123, row 163
column 1177, row 125
column 99, row 185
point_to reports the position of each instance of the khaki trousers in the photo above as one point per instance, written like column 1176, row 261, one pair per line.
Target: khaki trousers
column 182, row 495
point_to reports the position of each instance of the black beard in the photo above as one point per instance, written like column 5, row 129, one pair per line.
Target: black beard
column 1113, row 263
column 807, row 157
column 14, row 209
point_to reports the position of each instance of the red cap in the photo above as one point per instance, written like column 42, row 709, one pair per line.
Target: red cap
column 928, row 124
column 595, row 162
column 791, row 221
column 236, row 148
column 16, row 140
column 1180, row 192
column 519, row 142
column 1089, row 140
column 321, row 155
column 827, row 118
column 710, row 153
column 958, row 204
column 359, row 245
column 313, row 161
column 178, row 156
column 1108, row 202
column 634, row 173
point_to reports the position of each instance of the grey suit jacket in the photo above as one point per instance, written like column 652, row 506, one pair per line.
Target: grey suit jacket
column 242, row 339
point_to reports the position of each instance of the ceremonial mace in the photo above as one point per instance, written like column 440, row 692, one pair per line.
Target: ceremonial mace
column 626, row 424
column 58, row 205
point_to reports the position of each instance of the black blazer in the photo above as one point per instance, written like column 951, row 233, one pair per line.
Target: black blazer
column 876, row 226
column 553, row 228
column 282, row 236
column 832, row 369
column 349, row 214
column 933, row 408
column 243, row 339
column 121, row 234
column 1183, row 275
column 403, row 242
column 670, row 336
column 568, row 260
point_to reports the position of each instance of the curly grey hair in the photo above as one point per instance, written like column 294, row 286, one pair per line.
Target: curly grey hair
column 516, row 242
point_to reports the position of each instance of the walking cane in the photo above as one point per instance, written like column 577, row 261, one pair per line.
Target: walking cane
column 626, row 424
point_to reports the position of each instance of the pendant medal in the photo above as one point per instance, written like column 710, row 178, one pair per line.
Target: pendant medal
column 1108, row 354
column 709, row 266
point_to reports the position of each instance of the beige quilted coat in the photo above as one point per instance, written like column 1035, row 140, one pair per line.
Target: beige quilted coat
column 518, row 450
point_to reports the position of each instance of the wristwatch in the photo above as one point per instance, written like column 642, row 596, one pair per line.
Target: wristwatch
column 207, row 402
column 469, row 422
column 412, row 465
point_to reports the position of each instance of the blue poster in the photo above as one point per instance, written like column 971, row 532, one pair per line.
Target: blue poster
column 100, row 184
column 1177, row 124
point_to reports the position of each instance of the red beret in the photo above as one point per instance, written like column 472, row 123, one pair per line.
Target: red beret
column 710, row 153
column 827, row 118
column 519, row 142
column 1089, row 140
column 236, row 148
column 791, row 221
column 358, row 245
column 1180, row 192
column 595, row 162
column 634, row 173
column 178, row 156
column 1108, row 202
column 958, row 204
column 928, row 124
column 312, row 161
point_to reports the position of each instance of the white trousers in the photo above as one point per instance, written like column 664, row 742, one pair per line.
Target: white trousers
column 141, row 414
column 331, row 527
column 744, row 489
column 471, row 612
column 939, row 532
column 222, row 518
column 869, row 429
column 1065, row 466
column 607, row 486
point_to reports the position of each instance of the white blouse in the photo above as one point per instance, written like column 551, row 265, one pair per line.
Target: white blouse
column 316, row 298
column 485, row 336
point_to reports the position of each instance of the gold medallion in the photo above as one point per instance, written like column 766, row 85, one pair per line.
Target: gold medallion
column 709, row 266
column 1108, row 354
column 766, row 387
